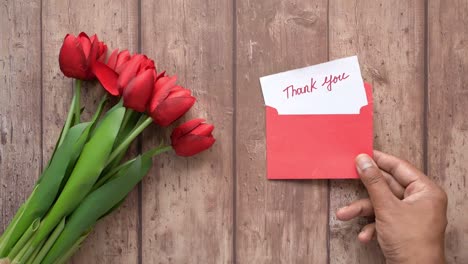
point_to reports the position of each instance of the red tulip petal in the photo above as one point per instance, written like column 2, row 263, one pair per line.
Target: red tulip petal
column 178, row 91
column 190, row 145
column 92, row 38
column 107, row 77
column 112, row 61
column 172, row 109
column 122, row 61
column 203, row 130
column 129, row 72
column 162, row 88
column 121, row 67
column 185, row 128
column 146, row 64
column 138, row 92
column 72, row 58
column 85, row 43
column 102, row 52
column 160, row 75
column 93, row 53
column 124, row 56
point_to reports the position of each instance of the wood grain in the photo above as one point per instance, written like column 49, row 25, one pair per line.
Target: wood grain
column 447, row 122
column 20, row 104
column 189, row 214
column 187, row 202
column 388, row 37
column 277, row 221
column 115, row 239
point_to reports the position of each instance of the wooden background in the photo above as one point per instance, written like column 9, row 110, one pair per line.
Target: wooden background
column 218, row 207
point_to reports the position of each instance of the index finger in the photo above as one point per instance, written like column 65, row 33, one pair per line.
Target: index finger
column 402, row 171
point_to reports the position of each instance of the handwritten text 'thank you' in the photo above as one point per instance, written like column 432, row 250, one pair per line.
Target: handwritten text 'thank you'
column 309, row 88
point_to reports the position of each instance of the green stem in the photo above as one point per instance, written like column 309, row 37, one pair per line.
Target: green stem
column 128, row 125
column 68, row 122
column 50, row 242
column 74, row 112
column 34, row 254
column 123, row 146
column 19, row 257
column 24, row 239
column 128, row 113
column 98, row 112
column 109, row 175
column 78, row 100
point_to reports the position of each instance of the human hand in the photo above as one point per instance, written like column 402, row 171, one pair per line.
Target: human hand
column 410, row 210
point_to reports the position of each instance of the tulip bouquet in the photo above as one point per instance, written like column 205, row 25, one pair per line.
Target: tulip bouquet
column 86, row 177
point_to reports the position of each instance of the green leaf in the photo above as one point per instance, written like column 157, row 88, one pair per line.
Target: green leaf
column 97, row 204
column 12, row 224
column 115, row 207
column 47, row 187
column 128, row 124
column 68, row 254
column 147, row 155
column 87, row 170
column 82, row 141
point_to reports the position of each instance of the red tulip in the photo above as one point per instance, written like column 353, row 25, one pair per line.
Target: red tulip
column 78, row 54
column 133, row 79
column 102, row 48
column 192, row 137
column 169, row 101
column 118, row 60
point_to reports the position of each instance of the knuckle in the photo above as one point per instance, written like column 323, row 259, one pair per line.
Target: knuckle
column 405, row 162
column 439, row 195
column 438, row 189
column 442, row 195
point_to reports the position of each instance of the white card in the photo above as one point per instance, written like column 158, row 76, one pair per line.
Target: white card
column 334, row 87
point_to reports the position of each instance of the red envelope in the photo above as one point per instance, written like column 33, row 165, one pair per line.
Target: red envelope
column 317, row 146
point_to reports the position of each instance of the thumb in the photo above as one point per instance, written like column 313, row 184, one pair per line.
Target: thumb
column 374, row 181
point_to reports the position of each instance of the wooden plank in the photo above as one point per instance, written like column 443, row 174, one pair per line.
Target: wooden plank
column 447, row 122
column 187, row 202
column 277, row 221
column 388, row 37
column 115, row 239
column 20, row 104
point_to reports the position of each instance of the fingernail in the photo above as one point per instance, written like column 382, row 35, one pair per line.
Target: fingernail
column 363, row 161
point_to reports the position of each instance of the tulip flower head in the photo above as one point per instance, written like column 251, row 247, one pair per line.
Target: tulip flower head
column 192, row 137
column 132, row 78
column 118, row 60
column 169, row 101
column 136, row 82
column 79, row 54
